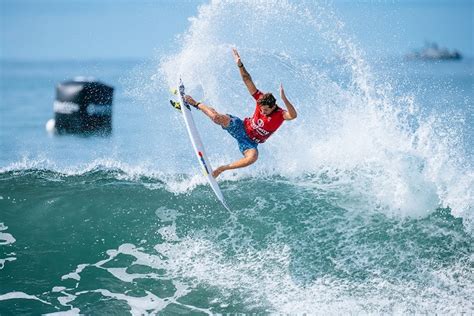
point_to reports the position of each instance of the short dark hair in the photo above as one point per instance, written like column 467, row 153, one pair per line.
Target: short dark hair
column 267, row 99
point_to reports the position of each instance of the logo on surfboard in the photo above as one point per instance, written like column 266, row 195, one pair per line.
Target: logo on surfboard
column 201, row 157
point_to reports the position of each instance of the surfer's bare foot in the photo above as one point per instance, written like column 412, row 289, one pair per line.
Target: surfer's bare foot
column 218, row 171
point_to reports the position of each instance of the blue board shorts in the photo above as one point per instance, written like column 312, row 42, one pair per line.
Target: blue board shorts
column 236, row 129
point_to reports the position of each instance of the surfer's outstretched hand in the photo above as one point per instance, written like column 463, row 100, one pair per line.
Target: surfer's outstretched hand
column 236, row 55
column 282, row 92
column 218, row 171
column 189, row 99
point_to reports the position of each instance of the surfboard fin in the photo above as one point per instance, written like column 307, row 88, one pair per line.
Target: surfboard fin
column 176, row 105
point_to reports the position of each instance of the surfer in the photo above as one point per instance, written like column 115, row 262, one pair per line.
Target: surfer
column 252, row 131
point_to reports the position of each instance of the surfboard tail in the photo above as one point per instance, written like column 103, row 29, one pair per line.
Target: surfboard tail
column 225, row 205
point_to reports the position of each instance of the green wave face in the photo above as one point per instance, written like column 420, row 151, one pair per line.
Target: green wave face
column 103, row 242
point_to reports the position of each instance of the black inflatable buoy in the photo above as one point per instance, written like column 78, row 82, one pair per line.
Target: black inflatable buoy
column 82, row 106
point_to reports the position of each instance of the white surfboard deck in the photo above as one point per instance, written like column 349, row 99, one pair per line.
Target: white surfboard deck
column 198, row 145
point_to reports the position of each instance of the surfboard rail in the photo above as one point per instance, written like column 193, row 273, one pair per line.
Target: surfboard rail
column 198, row 146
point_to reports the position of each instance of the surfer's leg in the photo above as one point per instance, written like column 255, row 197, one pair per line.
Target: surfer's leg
column 220, row 119
column 250, row 156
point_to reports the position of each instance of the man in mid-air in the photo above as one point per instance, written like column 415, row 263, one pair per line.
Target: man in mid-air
column 252, row 131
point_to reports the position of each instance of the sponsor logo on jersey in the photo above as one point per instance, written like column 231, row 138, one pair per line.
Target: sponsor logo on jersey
column 258, row 127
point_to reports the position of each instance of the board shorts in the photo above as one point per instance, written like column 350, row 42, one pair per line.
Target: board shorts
column 236, row 129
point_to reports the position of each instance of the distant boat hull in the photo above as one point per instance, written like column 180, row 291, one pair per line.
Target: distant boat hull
column 433, row 52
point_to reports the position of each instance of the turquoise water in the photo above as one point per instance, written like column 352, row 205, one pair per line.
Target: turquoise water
column 100, row 244
column 364, row 204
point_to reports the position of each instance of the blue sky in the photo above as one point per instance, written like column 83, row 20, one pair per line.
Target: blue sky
column 87, row 29
column 101, row 29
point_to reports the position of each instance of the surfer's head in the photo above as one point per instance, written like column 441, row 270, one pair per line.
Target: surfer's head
column 267, row 103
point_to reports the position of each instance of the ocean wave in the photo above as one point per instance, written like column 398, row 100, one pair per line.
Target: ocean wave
column 354, row 190
column 355, row 125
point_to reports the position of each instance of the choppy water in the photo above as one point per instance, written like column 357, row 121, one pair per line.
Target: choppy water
column 100, row 241
column 364, row 204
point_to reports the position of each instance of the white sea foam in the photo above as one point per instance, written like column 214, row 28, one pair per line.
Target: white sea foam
column 150, row 303
column 6, row 239
column 72, row 312
column 272, row 276
column 21, row 295
column 8, row 259
column 174, row 182
column 263, row 278
column 375, row 144
column 75, row 275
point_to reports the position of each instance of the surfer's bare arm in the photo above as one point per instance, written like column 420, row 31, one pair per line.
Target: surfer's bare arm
column 220, row 119
column 250, row 156
column 244, row 73
column 290, row 114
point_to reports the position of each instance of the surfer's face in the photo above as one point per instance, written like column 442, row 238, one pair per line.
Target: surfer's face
column 266, row 110
column 267, row 103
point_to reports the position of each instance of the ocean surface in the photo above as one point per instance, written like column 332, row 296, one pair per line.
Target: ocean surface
column 363, row 204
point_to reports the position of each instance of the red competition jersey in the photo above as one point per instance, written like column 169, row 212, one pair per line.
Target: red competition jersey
column 259, row 127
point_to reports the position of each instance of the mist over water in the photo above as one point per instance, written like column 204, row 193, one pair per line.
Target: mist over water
column 363, row 204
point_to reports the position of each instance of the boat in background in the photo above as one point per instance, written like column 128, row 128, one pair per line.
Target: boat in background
column 431, row 51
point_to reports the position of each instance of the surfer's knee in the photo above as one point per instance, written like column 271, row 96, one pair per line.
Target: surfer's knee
column 251, row 155
column 221, row 119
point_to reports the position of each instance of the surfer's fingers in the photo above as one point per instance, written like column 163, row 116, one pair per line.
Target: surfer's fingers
column 189, row 99
column 236, row 54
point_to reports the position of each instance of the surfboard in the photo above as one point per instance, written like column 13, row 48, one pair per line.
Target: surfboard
column 197, row 143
